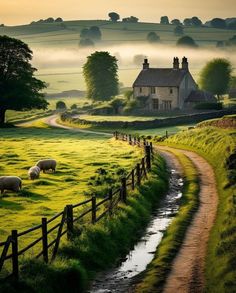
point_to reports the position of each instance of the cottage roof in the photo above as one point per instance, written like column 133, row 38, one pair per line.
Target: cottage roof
column 160, row 77
column 198, row 96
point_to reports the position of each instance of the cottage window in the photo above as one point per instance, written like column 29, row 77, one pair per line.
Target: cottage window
column 140, row 90
column 167, row 105
column 171, row 91
column 155, row 104
column 153, row 90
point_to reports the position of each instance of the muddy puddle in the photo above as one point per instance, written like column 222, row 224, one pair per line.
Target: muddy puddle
column 119, row 279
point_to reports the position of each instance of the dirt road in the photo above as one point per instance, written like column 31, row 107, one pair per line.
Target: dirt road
column 187, row 272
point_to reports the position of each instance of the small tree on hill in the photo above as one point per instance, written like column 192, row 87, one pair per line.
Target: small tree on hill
column 186, row 41
column 19, row 89
column 100, row 72
column 218, row 23
column 215, row 76
column 176, row 21
column 114, row 16
column 164, row 20
column 59, row 19
column 196, row 21
column 60, row 105
column 187, row 21
column 179, row 31
column 152, row 37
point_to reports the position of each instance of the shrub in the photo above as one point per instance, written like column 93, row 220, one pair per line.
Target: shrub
column 209, row 106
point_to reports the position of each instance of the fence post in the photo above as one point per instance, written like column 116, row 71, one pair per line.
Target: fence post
column 133, row 180
column 166, row 134
column 15, row 263
column 151, row 147
column 144, row 167
column 144, row 141
column 69, row 221
column 110, row 202
column 138, row 174
column 135, row 140
column 148, row 156
column 45, row 239
column 130, row 139
column 123, row 190
column 94, row 209
column 138, row 141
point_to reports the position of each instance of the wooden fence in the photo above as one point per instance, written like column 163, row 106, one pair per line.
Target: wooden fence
column 53, row 229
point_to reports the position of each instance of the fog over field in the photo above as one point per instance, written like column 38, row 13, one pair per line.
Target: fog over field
column 62, row 68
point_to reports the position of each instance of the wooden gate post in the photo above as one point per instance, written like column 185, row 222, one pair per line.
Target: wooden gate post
column 15, row 262
column 148, row 156
column 123, row 190
column 94, row 209
column 116, row 135
column 69, row 221
column 133, row 180
column 110, row 202
column 45, row 239
column 138, row 173
column 130, row 139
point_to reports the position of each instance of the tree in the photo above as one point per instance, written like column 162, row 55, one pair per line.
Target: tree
column 114, row 16
column 232, row 25
column 60, row 105
column 19, row 89
column 49, row 20
column 215, row 76
column 187, row 21
column 59, row 19
column 218, row 23
column 93, row 33
column 179, row 31
column 152, row 37
column 186, row 41
column 196, row 21
column 176, row 21
column 164, row 20
column 132, row 19
column 100, row 72
column 86, row 43
column 74, row 107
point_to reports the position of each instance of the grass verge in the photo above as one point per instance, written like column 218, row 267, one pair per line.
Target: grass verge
column 99, row 246
column 154, row 277
column 218, row 147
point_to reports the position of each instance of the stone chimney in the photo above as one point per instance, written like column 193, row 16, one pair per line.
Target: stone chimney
column 176, row 63
column 185, row 63
column 145, row 64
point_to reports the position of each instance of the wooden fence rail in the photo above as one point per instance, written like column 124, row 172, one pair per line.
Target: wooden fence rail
column 67, row 217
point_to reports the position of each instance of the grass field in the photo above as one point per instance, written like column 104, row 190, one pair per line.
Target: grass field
column 79, row 157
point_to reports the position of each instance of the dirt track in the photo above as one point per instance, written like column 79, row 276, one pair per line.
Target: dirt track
column 187, row 272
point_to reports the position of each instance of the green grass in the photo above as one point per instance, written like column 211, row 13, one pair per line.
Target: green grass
column 216, row 145
column 99, row 118
column 79, row 157
column 99, row 246
column 154, row 276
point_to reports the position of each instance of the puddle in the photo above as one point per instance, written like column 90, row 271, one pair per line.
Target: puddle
column 119, row 278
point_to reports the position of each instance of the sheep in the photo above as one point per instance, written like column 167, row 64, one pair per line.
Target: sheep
column 48, row 164
column 13, row 183
column 34, row 172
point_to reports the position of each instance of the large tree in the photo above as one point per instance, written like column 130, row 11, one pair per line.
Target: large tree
column 186, row 41
column 100, row 72
column 19, row 89
column 114, row 16
column 215, row 76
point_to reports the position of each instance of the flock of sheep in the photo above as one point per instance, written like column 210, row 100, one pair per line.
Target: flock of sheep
column 14, row 183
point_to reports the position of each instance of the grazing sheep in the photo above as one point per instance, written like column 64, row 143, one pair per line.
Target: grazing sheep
column 34, row 172
column 48, row 164
column 13, row 183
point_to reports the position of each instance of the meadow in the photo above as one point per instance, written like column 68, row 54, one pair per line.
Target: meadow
column 79, row 157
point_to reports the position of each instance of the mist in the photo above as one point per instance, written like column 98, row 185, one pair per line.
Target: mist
column 64, row 66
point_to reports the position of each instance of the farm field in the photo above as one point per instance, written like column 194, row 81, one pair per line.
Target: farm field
column 79, row 157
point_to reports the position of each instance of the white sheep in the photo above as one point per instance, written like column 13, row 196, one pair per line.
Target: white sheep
column 48, row 164
column 34, row 172
column 13, row 183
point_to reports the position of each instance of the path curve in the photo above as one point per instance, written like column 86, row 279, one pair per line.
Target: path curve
column 187, row 272
column 52, row 121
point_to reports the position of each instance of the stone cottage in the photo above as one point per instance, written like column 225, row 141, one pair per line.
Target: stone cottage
column 167, row 89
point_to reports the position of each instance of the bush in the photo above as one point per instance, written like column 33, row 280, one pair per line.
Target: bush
column 60, row 105
column 209, row 106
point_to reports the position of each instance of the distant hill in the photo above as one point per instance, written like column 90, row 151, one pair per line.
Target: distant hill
column 67, row 94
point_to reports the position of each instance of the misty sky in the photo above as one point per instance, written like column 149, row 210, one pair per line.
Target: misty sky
column 24, row 11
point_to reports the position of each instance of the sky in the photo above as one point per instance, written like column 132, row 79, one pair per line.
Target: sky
column 13, row 12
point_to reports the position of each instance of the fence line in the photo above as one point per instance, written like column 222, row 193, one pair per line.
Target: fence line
column 67, row 217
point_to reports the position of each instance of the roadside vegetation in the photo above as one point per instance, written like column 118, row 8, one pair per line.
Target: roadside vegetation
column 217, row 146
column 99, row 246
column 155, row 275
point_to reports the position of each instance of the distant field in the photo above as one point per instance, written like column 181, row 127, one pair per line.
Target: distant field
column 60, row 60
column 118, row 118
column 79, row 156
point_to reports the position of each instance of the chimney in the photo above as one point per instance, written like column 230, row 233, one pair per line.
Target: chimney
column 185, row 63
column 176, row 63
column 145, row 64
